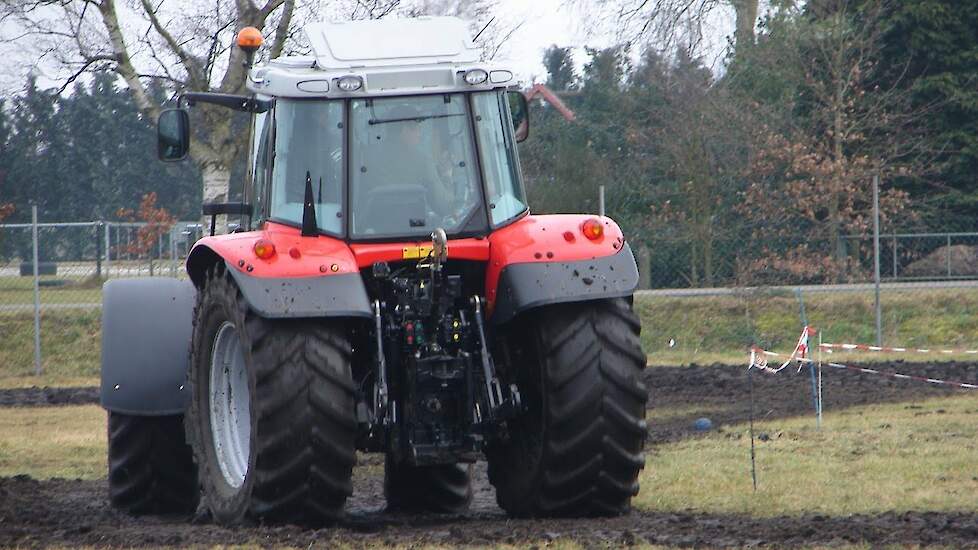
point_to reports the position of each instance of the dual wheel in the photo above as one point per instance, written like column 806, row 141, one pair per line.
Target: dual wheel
column 272, row 432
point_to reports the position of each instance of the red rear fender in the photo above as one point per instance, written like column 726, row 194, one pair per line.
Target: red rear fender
column 548, row 238
column 304, row 277
column 295, row 256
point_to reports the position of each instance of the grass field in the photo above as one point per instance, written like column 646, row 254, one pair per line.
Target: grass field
column 870, row 459
column 45, row 442
column 703, row 330
column 70, row 341
column 20, row 290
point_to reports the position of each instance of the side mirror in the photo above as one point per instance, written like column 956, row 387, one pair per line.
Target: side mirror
column 173, row 135
column 520, row 112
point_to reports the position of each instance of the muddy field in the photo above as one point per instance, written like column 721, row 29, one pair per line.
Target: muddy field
column 74, row 512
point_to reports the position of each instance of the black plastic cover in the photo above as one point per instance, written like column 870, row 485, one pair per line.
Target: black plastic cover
column 146, row 330
column 232, row 208
column 529, row 285
column 341, row 295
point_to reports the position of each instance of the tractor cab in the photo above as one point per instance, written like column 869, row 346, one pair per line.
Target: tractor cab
column 393, row 138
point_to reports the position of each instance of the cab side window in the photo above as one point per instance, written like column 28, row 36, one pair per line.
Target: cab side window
column 260, row 164
column 499, row 161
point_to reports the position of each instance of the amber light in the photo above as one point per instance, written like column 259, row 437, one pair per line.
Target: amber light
column 592, row 229
column 250, row 38
column 264, row 249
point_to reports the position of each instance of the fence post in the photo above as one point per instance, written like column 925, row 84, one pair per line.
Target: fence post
column 811, row 366
column 876, row 257
column 173, row 253
column 894, row 256
column 948, row 255
column 108, row 248
column 98, row 249
column 37, row 295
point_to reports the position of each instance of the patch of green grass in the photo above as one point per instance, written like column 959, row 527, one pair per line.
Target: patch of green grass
column 711, row 329
column 876, row 458
column 54, row 289
column 70, row 347
column 45, row 442
column 704, row 330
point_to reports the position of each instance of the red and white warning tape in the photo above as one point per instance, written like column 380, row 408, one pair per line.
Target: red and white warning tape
column 864, row 347
column 759, row 361
column 800, row 352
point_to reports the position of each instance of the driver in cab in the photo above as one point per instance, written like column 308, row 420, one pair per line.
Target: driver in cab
column 412, row 158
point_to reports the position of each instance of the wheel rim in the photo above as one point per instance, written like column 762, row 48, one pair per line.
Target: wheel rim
column 230, row 403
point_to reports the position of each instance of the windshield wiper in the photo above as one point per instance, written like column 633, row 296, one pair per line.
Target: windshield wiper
column 414, row 118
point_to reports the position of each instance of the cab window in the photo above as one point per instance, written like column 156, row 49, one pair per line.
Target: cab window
column 497, row 150
column 309, row 145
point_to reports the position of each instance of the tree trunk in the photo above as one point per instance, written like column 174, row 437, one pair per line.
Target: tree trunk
column 746, row 11
column 216, row 178
column 838, row 175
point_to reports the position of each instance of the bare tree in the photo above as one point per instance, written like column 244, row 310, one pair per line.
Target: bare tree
column 182, row 45
column 185, row 45
column 670, row 23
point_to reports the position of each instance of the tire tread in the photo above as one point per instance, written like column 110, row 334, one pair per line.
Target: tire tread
column 593, row 414
column 151, row 468
column 304, row 403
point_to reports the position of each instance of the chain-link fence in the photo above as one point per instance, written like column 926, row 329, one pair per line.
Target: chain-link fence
column 923, row 256
column 699, row 308
column 62, row 294
column 681, row 326
column 726, row 262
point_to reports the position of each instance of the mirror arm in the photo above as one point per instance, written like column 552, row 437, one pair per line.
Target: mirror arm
column 242, row 103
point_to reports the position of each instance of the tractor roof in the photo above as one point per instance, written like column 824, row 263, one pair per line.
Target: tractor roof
column 389, row 56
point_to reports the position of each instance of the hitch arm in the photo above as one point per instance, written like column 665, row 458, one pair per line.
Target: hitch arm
column 380, row 386
column 493, row 390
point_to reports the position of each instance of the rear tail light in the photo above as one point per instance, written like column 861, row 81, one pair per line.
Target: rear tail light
column 264, row 249
column 592, row 229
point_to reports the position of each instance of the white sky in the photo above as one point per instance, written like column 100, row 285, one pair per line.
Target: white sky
column 547, row 22
column 554, row 22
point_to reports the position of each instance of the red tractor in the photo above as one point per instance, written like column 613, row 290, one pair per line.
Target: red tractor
column 388, row 291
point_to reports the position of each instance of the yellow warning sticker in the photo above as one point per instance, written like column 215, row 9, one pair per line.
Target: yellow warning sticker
column 416, row 252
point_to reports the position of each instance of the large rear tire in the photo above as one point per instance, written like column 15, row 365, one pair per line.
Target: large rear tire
column 151, row 467
column 578, row 448
column 271, row 419
column 443, row 489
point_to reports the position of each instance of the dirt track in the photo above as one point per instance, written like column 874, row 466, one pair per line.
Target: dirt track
column 47, row 397
column 71, row 513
